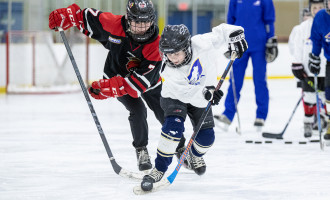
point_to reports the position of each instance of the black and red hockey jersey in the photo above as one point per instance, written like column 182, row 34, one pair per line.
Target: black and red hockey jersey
column 139, row 64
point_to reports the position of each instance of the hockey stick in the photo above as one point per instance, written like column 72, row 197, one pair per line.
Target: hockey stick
column 280, row 135
column 170, row 179
column 310, row 84
column 118, row 169
column 318, row 112
column 238, row 129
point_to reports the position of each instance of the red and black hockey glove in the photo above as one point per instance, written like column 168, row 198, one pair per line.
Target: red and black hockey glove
column 106, row 88
column 211, row 95
column 298, row 71
column 65, row 17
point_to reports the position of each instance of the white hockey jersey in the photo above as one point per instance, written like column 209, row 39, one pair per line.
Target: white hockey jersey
column 300, row 46
column 187, row 82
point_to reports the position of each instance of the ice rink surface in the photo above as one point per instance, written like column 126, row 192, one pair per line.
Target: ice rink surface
column 50, row 149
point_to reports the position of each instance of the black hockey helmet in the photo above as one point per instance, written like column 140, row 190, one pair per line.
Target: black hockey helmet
column 327, row 6
column 140, row 11
column 173, row 39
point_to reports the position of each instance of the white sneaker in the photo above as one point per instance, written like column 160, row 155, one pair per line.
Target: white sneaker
column 222, row 122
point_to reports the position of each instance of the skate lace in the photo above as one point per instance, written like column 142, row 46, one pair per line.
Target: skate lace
column 143, row 156
column 198, row 162
column 156, row 175
column 308, row 127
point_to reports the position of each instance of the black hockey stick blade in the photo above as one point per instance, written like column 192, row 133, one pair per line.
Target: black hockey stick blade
column 278, row 136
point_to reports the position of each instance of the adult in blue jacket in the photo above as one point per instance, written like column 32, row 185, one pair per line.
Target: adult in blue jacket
column 320, row 36
column 257, row 17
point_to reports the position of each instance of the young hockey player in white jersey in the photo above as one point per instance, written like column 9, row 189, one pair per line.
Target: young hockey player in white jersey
column 305, row 15
column 301, row 46
column 190, row 73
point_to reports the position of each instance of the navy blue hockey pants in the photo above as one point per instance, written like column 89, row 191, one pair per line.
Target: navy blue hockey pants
column 260, row 83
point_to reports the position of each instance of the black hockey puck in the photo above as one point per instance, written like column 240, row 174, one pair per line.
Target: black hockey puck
column 146, row 185
column 288, row 142
column 257, row 142
column 302, row 142
column 314, row 141
column 248, row 141
column 268, row 141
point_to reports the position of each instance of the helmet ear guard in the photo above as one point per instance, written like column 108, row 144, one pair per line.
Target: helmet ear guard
column 173, row 39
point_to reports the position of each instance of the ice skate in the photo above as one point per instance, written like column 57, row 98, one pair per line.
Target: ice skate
column 323, row 122
column 178, row 156
column 150, row 179
column 308, row 130
column 196, row 163
column 259, row 123
column 222, row 122
column 143, row 159
column 326, row 136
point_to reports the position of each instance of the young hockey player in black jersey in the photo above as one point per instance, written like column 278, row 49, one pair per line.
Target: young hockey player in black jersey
column 190, row 74
column 133, row 63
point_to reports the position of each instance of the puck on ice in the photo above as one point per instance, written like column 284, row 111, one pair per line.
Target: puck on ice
column 257, row 142
column 302, row 142
column 248, row 141
column 146, row 185
column 288, row 142
column 268, row 141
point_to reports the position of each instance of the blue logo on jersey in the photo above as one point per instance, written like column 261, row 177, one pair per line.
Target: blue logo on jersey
column 114, row 40
column 195, row 73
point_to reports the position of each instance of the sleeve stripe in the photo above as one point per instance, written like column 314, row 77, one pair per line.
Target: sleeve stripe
column 144, row 80
column 88, row 27
column 138, row 83
column 154, row 86
column 132, row 86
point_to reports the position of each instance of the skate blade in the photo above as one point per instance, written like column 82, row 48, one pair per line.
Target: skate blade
column 326, row 143
column 258, row 128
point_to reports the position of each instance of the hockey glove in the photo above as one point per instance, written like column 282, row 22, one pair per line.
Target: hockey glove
column 314, row 63
column 65, row 17
column 106, row 88
column 298, row 71
column 237, row 42
column 211, row 95
column 271, row 49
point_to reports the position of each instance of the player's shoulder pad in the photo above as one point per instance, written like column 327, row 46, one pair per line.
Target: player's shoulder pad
column 112, row 23
column 151, row 50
